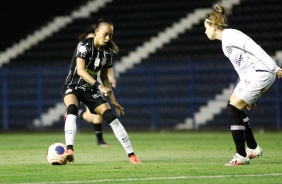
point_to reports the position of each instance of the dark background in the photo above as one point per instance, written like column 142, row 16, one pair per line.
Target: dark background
column 19, row 18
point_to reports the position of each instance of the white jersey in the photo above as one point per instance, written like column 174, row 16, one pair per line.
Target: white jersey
column 245, row 55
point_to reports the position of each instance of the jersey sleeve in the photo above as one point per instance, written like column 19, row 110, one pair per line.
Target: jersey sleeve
column 233, row 38
column 258, row 52
column 82, row 49
column 242, row 41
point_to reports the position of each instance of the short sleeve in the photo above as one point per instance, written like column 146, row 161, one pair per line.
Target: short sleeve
column 82, row 49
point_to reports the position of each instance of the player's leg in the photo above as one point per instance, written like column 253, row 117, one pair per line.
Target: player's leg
column 98, row 129
column 258, row 84
column 96, row 121
column 85, row 115
column 253, row 150
column 118, row 129
column 249, row 136
column 71, row 104
column 234, row 110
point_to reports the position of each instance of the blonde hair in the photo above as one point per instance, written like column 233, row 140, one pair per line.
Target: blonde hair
column 218, row 17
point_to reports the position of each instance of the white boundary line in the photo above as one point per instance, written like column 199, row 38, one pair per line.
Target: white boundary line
column 160, row 178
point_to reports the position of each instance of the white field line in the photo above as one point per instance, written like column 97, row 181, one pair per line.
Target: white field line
column 160, row 178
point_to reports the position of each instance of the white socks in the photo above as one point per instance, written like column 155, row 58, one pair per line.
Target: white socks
column 118, row 129
column 121, row 135
column 70, row 129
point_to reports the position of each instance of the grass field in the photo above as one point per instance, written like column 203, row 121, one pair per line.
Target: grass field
column 167, row 157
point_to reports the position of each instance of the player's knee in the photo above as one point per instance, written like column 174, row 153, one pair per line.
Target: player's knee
column 234, row 115
column 232, row 110
column 72, row 109
column 109, row 116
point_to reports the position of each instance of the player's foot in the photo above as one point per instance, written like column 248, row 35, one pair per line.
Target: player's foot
column 69, row 155
column 102, row 143
column 238, row 160
column 134, row 160
column 253, row 153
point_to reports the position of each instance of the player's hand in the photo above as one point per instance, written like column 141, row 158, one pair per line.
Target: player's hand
column 251, row 106
column 106, row 91
column 119, row 108
column 279, row 73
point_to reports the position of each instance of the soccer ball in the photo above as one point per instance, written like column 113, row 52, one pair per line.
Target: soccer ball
column 56, row 154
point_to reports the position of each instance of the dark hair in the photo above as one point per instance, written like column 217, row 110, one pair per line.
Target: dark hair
column 218, row 17
column 91, row 30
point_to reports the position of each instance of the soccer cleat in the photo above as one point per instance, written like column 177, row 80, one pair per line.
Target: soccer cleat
column 103, row 144
column 254, row 153
column 134, row 160
column 238, row 160
column 69, row 155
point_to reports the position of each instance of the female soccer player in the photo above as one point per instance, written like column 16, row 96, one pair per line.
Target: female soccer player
column 91, row 56
column 84, row 113
column 257, row 72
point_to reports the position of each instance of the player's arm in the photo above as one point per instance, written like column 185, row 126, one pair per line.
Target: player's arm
column 252, row 47
column 110, row 94
column 111, row 77
column 80, row 64
column 106, row 88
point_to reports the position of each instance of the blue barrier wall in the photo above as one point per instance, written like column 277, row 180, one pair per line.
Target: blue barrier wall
column 154, row 95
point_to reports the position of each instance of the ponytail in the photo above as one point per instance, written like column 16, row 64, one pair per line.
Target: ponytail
column 218, row 17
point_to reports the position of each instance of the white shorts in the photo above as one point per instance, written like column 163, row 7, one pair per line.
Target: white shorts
column 253, row 85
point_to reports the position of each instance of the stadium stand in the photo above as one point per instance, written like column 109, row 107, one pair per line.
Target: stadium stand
column 20, row 18
column 160, row 92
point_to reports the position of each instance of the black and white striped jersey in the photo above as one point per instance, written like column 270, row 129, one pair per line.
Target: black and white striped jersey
column 94, row 61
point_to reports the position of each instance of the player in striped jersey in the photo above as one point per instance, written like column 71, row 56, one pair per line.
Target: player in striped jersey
column 257, row 72
column 84, row 113
column 91, row 56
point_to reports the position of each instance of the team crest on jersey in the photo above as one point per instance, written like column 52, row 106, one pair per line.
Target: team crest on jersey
column 229, row 50
column 104, row 60
column 81, row 48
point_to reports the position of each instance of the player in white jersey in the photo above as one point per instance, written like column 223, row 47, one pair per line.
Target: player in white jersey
column 257, row 72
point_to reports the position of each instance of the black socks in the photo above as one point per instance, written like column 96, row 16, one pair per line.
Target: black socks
column 98, row 132
column 249, row 137
column 237, row 129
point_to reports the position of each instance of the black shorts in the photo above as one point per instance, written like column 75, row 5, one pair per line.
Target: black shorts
column 91, row 99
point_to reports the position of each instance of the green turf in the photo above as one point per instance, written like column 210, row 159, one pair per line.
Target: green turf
column 167, row 157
